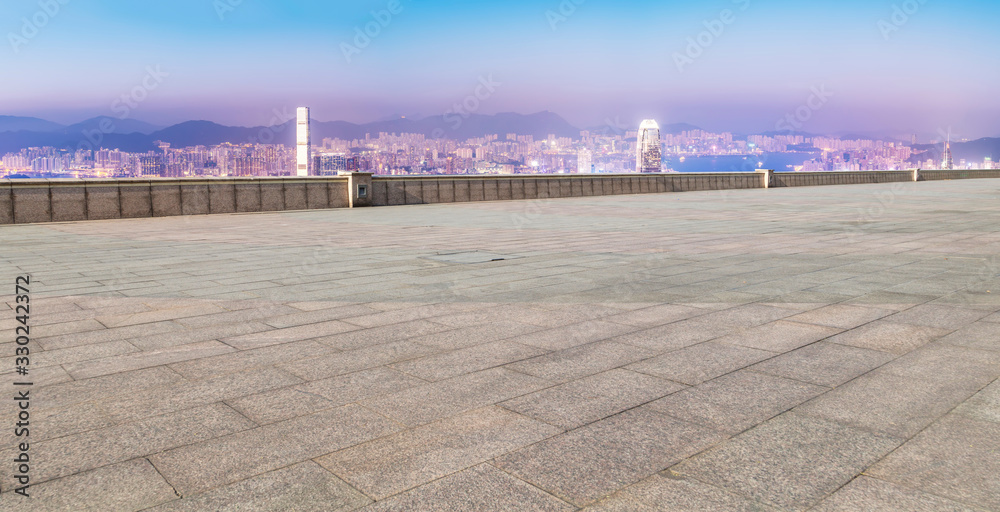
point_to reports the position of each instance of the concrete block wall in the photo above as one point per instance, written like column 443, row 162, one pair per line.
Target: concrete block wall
column 392, row 190
column 59, row 200
column 65, row 200
column 959, row 174
column 811, row 179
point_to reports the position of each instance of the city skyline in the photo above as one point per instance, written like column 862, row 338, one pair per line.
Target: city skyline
column 643, row 150
column 736, row 65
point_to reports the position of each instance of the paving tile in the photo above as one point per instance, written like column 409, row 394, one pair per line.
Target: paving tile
column 159, row 315
column 865, row 493
column 238, row 316
column 940, row 317
column 233, row 361
column 573, row 335
column 69, row 327
column 705, row 361
column 74, row 354
column 490, row 314
column 946, row 363
column 483, row 488
column 791, row 461
column 735, row 402
column 981, row 335
column 884, row 402
column 475, row 335
column 411, row 458
column 749, row 315
column 208, row 464
column 396, row 316
column 592, row 398
column 318, row 316
column 675, row 336
column 107, row 335
column 581, row 361
column 146, row 359
column 132, row 485
column 304, row 487
column 824, row 364
column 844, row 316
column 159, row 400
column 889, row 337
column 340, row 363
column 431, row 402
column 289, row 402
column 188, row 336
column 73, row 454
column 955, row 458
column 460, row 362
column 379, row 336
column 984, row 405
column 780, row 336
column 69, row 393
column 656, row 315
column 675, row 494
column 589, row 463
column 288, row 335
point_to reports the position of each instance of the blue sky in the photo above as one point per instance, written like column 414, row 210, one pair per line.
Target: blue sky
column 589, row 61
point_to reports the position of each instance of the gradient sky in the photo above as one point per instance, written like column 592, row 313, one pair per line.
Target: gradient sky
column 607, row 60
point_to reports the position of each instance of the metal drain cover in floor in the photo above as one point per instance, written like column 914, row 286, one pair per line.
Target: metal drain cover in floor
column 467, row 258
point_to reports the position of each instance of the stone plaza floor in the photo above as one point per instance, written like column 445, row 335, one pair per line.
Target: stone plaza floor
column 829, row 348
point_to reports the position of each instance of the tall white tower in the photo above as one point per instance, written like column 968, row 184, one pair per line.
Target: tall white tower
column 648, row 157
column 948, row 162
column 303, row 155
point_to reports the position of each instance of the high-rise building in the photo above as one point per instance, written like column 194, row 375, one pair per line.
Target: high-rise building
column 303, row 150
column 584, row 161
column 329, row 164
column 948, row 162
column 648, row 157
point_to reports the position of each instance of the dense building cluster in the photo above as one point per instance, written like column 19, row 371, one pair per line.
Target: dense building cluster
column 608, row 151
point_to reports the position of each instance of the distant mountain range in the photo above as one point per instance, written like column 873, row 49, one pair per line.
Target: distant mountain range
column 135, row 136
column 131, row 135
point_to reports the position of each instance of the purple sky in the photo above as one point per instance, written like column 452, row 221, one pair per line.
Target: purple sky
column 883, row 71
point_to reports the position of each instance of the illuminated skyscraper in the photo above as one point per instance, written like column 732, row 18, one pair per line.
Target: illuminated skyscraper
column 648, row 155
column 948, row 162
column 304, row 144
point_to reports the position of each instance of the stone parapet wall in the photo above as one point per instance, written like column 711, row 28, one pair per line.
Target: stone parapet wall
column 67, row 200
